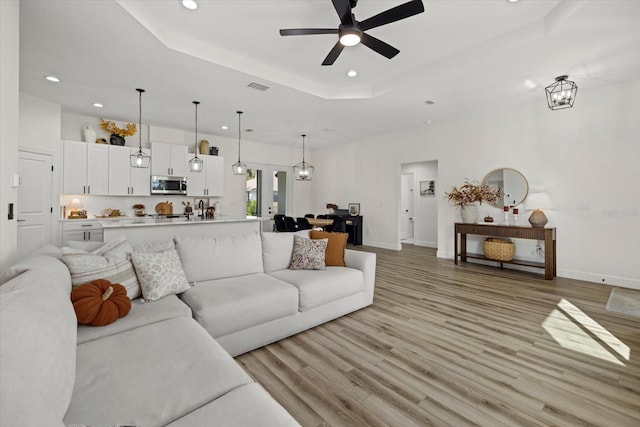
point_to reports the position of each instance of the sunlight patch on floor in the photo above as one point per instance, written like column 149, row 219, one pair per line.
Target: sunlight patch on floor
column 573, row 329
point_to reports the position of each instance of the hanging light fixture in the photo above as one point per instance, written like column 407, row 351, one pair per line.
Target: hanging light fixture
column 561, row 94
column 239, row 168
column 195, row 164
column 303, row 171
column 139, row 159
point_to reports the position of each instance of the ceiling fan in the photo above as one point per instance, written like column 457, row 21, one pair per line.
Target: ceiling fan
column 351, row 31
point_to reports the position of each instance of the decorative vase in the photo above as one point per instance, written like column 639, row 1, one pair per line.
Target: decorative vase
column 116, row 139
column 204, row 146
column 469, row 213
column 89, row 134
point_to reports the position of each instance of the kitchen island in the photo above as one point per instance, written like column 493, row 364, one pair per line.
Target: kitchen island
column 156, row 230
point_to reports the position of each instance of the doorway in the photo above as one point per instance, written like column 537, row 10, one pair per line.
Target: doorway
column 35, row 209
column 418, row 219
column 268, row 192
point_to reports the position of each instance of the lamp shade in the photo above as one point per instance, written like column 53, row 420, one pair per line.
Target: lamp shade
column 75, row 204
column 561, row 94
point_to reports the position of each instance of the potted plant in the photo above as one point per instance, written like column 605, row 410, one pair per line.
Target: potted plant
column 468, row 194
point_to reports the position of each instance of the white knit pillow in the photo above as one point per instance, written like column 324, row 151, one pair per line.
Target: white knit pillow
column 160, row 274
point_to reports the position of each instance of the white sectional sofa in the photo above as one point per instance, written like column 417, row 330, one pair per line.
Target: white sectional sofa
column 168, row 362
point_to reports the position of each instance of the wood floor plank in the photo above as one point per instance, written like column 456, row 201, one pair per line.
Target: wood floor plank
column 447, row 345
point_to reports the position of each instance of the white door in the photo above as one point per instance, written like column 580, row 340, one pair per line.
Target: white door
column 268, row 192
column 406, row 206
column 34, row 210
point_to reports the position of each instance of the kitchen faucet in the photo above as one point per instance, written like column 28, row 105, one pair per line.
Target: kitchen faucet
column 201, row 207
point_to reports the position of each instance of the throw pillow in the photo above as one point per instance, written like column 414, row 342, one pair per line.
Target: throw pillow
column 160, row 274
column 335, row 246
column 99, row 302
column 111, row 261
column 308, row 254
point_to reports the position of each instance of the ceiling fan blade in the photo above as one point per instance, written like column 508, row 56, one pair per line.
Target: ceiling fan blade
column 379, row 46
column 307, row 31
column 394, row 14
column 333, row 55
column 343, row 7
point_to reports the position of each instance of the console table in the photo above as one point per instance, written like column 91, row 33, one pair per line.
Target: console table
column 548, row 235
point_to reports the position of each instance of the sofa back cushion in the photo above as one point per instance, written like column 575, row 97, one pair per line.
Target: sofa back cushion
column 277, row 249
column 38, row 346
column 216, row 257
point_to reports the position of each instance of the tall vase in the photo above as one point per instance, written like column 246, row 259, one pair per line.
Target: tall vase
column 469, row 213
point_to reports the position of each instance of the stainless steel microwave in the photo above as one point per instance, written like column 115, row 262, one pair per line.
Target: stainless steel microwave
column 168, row 184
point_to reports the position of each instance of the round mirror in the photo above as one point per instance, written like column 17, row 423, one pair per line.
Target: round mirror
column 513, row 184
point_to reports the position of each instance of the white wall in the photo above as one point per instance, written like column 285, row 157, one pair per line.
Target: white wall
column 586, row 158
column 9, row 83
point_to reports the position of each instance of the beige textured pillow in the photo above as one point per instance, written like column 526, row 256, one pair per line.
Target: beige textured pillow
column 111, row 262
column 336, row 245
column 160, row 274
column 308, row 254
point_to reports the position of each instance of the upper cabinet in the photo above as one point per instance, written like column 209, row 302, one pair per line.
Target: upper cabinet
column 85, row 168
column 209, row 182
column 168, row 159
column 125, row 180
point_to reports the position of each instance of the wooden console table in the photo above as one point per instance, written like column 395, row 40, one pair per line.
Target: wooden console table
column 548, row 235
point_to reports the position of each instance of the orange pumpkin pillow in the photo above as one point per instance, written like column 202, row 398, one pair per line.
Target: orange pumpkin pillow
column 99, row 302
column 334, row 255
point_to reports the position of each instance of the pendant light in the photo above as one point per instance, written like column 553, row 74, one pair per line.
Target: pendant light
column 303, row 171
column 195, row 164
column 139, row 159
column 561, row 94
column 239, row 168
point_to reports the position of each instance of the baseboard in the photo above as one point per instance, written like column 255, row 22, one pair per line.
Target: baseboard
column 604, row 279
column 426, row 244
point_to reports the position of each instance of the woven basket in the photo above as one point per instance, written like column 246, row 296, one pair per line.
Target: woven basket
column 499, row 249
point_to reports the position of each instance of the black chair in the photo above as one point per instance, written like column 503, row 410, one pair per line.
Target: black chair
column 303, row 224
column 339, row 225
column 322, row 217
column 309, row 216
column 289, row 224
column 278, row 224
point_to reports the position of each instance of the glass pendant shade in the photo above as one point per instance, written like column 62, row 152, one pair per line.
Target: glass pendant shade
column 238, row 167
column 561, row 94
column 196, row 164
column 139, row 159
column 303, row 171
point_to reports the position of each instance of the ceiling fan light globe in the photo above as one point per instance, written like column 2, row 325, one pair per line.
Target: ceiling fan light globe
column 350, row 39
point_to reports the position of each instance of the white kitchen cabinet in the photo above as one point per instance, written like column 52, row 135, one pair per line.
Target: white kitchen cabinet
column 125, row 180
column 80, row 230
column 168, row 159
column 85, row 168
column 209, row 182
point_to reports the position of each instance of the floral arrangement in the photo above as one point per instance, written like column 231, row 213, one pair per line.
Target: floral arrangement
column 471, row 192
column 111, row 128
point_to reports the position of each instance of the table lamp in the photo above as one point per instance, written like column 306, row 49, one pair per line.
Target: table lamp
column 75, row 209
column 536, row 202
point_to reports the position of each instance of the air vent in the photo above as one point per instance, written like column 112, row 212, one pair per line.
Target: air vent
column 248, row 130
column 257, row 86
column 430, row 102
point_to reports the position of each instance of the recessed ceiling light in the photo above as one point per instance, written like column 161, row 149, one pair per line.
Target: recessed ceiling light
column 52, row 79
column 530, row 84
column 224, row 127
column 190, row 4
column 513, row 1
column 97, row 105
column 352, row 73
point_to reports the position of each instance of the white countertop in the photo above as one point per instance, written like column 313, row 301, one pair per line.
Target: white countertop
column 151, row 222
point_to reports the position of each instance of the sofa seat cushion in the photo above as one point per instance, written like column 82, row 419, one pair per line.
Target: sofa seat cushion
column 318, row 287
column 247, row 406
column 141, row 314
column 228, row 305
column 150, row 376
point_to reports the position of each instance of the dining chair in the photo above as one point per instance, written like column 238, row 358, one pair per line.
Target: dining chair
column 303, row 224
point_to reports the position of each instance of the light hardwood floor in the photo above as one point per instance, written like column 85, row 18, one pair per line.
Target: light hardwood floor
column 451, row 345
